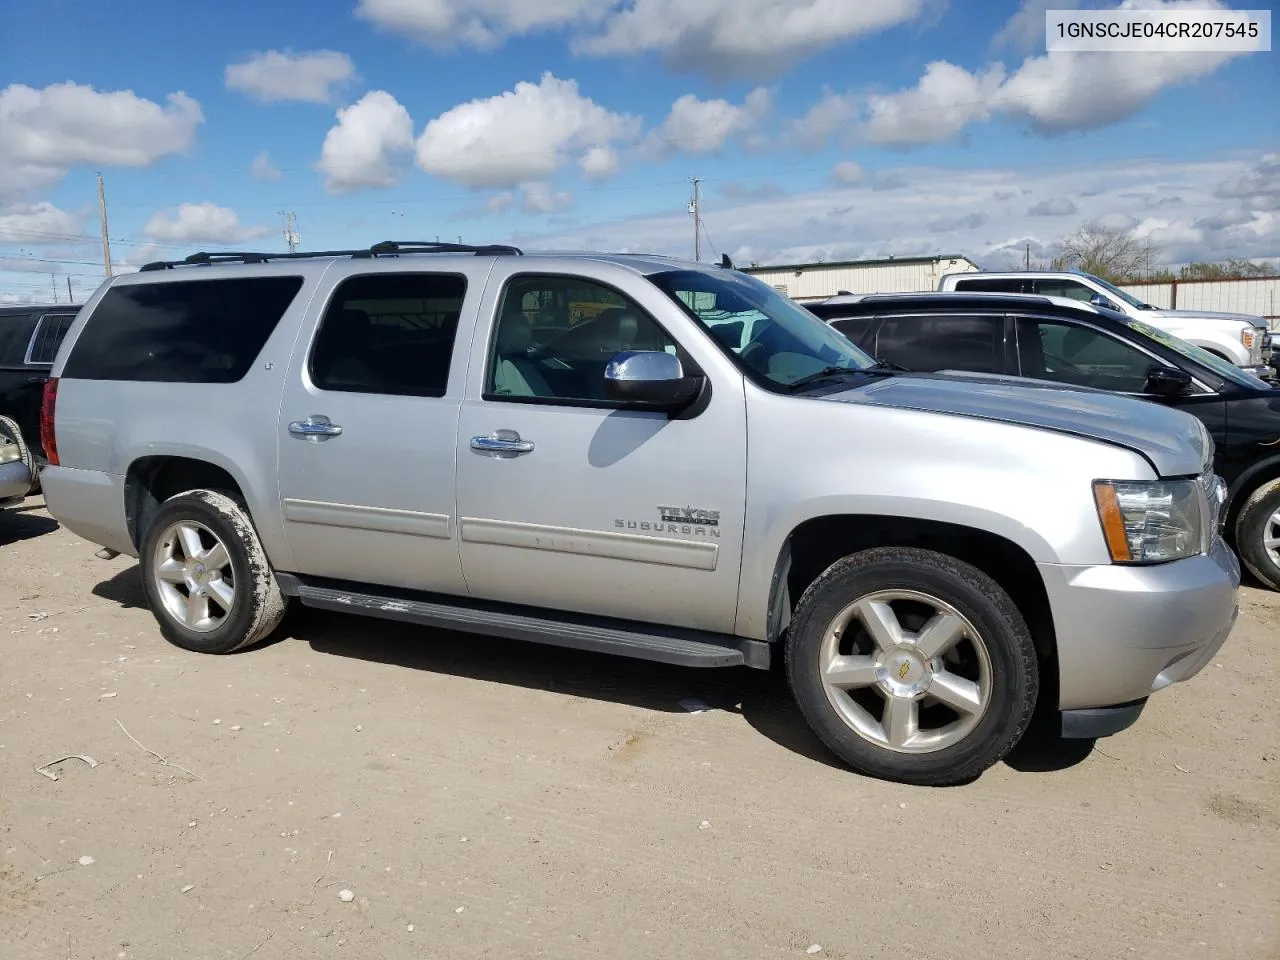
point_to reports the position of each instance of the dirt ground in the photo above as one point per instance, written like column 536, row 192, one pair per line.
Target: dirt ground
column 480, row 798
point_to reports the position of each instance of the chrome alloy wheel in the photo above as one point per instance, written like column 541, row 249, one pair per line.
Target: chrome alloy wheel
column 193, row 576
column 906, row 671
column 1271, row 537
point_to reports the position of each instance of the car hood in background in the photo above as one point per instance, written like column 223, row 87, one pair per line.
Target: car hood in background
column 1176, row 443
column 1205, row 315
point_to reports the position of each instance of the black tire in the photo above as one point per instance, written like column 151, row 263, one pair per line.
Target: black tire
column 1014, row 669
column 1253, row 525
column 258, row 605
column 9, row 428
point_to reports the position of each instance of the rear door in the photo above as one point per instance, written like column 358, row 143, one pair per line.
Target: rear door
column 368, row 424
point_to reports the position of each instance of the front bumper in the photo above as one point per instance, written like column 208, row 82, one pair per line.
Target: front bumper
column 1124, row 632
column 15, row 480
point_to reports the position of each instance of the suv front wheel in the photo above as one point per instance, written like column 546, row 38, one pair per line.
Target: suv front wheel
column 207, row 579
column 1258, row 534
column 912, row 666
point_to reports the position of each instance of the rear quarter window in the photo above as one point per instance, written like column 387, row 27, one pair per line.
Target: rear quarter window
column 49, row 334
column 184, row 331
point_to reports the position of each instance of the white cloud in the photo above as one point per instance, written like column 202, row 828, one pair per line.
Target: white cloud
column 276, row 76
column 519, row 136
column 1024, row 31
column 741, row 38
column 1053, row 207
column 542, row 198
column 985, row 213
column 199, row 223
column 600, row 163
column 263, row 169
column 702, row 127
column 1054, row 93
column 482, row 24
column 33, row 224
column 46, row 132
column 945, row 101
column 846, row 172
column 753, row 38
column 365, row 148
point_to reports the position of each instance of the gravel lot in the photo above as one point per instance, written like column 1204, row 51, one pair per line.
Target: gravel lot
column 480, row 798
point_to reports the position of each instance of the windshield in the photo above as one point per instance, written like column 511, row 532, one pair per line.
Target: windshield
column 1223, row 368
column 1120, row 294
column 775, row 340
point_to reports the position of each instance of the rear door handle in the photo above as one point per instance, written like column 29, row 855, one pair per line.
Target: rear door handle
column 502, row 441
column 316, row 428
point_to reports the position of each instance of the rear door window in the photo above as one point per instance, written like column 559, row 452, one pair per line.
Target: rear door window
column 181, row 331
column 389, row 333
column 50, row 331
column 15, row 336
column 943, row 342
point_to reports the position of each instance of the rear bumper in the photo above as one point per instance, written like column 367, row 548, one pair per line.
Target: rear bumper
column 1125, row 632
column 15, row 480
column 90, row 504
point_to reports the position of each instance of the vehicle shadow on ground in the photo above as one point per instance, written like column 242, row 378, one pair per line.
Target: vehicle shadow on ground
column 761, row 698
column 21, row 523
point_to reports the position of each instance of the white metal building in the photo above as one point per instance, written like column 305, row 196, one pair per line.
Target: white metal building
column 809, row 281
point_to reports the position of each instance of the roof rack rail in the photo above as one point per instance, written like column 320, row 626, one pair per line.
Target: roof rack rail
column 435, row 246
column 383, row 249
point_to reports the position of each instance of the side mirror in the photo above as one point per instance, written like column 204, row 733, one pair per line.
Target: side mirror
column 1098, row 300
column 653, row 380
column 1167, row 381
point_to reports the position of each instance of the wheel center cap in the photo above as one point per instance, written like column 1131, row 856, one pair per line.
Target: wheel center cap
column 198, row 572
column 903, row 672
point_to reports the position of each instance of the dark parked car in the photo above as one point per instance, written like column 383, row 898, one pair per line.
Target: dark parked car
column 1078, row 344
column 29, row 340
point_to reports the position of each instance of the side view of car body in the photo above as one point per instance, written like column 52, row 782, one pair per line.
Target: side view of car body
column 1080, row 345
column 29, row 340
column 646, row 457
column 1242, row 339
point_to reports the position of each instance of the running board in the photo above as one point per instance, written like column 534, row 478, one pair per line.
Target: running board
column 685, row 648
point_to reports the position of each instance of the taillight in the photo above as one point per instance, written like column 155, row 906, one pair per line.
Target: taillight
column 48, row 436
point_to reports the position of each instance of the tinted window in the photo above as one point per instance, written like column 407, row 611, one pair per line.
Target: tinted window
column 389, row 333
column 15, row 335
column 929, row 343
column 193, row 331
column 556, row 335
column 1063, row 288
column 1081, row 356
column 49, row 335
column 992, row 285
column 855, row 328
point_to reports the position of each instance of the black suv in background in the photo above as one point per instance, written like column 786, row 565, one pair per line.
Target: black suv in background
column 1081, row 345
column 29, row 340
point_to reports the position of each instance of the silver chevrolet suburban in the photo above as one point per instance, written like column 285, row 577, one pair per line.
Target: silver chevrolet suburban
column 646, row 457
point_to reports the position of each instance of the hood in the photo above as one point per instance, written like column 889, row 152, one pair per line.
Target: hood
column 1173, row 442
column 1205, row 315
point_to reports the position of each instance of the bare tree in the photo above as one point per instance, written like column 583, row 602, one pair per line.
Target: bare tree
column 1107, row 252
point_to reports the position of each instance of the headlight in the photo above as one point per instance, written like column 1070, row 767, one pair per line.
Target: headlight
column 1150, row 522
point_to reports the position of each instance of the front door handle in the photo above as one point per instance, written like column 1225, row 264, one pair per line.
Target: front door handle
column 502, row 441
column 316, row 428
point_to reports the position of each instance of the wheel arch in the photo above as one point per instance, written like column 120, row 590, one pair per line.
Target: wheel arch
column 151, row 480
column 1258, row 474
column 817, row 542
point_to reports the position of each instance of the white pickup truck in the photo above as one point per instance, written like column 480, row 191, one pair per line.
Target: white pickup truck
column 1238, row 338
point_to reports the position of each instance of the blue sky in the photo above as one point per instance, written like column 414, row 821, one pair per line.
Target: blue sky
column 820, row 129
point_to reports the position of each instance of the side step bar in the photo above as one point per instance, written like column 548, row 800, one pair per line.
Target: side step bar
column 686, row 648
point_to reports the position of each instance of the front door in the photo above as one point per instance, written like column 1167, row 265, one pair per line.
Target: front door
column 368, row 426
column 567, row 501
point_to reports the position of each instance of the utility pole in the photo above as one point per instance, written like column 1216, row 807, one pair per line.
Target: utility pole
column 70, row 298
column 102, row 215
column 695, row 208
column 1028, row 255
column 291, row 236
column 53, row 280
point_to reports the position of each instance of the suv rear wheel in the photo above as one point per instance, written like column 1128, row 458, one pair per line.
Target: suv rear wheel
column 207, row 579
column 1258, row 534
column 10, row 429
column 912, row 666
